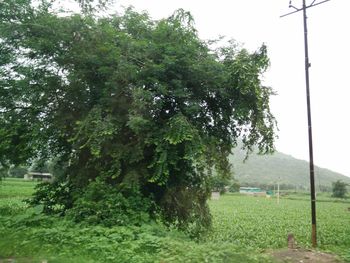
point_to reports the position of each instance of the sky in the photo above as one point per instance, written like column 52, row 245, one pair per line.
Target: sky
column 253, row 22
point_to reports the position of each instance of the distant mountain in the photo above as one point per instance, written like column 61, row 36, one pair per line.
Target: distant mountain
column 268, row 169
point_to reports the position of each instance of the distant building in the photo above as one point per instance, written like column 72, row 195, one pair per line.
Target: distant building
column 252, row 191
column 38, row 176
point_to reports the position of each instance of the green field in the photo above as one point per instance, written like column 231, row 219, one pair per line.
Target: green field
column 244, row 228
column 262, row 223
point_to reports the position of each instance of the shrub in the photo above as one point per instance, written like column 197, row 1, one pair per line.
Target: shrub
column 234, row 186
column 339, row 189
column 55, row 197
column 219, row 184
column 17, row 171
column 105, row 204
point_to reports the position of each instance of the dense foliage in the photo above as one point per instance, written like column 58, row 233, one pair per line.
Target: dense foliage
column 138, row 105
column 17, row 171
column 224, row 184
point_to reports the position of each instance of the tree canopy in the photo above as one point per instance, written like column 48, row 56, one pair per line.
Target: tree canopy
column 339, row 189
column 128, row 101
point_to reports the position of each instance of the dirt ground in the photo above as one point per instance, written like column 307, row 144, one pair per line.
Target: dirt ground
column 303, row 256
column 281, row 256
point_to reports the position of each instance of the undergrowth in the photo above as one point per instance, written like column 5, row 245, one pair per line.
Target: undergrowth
column 28, row 235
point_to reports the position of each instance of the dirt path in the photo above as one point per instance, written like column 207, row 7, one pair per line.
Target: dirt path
column 303, row 256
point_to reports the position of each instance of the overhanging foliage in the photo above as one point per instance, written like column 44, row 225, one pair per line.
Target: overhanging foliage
column 137, row 103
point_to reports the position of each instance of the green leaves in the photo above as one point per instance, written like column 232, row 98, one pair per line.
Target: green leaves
column 129, row 101
column 179, row 130
column 95, row 131
column 339, row 189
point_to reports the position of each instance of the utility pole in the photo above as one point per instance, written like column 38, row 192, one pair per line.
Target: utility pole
column 307, row 82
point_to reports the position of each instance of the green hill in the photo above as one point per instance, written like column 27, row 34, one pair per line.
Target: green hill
column 268, row 169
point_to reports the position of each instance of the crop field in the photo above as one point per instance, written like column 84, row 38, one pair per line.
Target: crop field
column 245, row 228
column 262, row 223
column 16, row 187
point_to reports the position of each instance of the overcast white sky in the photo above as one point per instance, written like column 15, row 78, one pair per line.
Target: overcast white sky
column 254, row 22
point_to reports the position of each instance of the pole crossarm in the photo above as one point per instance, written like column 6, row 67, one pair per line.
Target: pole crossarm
column 301, row 9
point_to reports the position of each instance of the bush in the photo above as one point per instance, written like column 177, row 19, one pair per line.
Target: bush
column 187, row 210
column 219, row 184
column 55, row 197
column 234, row 187
column 339, row 189
column 17, row 171
column 105, row 204
column 3, row 172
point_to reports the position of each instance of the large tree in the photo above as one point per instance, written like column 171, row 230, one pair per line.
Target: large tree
column 129, row 101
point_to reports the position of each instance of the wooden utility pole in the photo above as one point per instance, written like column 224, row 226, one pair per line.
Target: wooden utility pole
column 307, row 82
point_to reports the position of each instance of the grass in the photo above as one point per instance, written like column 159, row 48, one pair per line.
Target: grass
column 16, row 187
column 244, row 228
column 321, row 197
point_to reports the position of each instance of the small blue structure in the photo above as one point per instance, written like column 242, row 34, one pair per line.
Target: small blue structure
column 255, row 191
column 248, row 190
